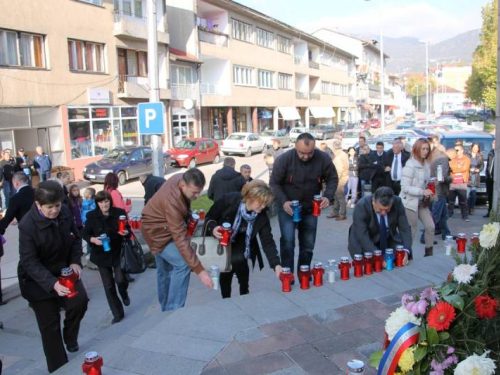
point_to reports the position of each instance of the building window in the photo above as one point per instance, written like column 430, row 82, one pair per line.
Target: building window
column 86, row 56
column 242, row 31
column 181, row 75
column 265, row 38
column 95, row 2
column 266, row 79
column 243, row 76
column 325, row 88
column 21, row 49
column 285, row 81
column 131, row 8
column 284, row 44
column 326, row 58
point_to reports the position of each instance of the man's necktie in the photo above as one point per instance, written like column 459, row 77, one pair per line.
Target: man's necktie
column 395, row 174
column 383, row 234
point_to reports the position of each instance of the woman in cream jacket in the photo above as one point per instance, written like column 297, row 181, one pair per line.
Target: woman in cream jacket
column 415, row 195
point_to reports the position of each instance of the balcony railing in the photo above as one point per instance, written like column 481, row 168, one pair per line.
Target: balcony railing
column 301, row 95
column 210, row 89
column 298, row 60
column 313, row 65
column 315, row 96
column 183, row 91
column 143, row 81
column 212, row 36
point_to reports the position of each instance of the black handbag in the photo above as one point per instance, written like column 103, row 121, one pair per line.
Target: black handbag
column 132, row 257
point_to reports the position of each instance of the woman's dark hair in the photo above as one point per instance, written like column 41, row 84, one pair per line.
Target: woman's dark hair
column 478, row 147
column 102, row 196
column 49, row 192
column 349, row 149
column 72, row 199
column 111, row 181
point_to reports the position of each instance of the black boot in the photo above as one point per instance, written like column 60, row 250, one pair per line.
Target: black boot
column 428, row 251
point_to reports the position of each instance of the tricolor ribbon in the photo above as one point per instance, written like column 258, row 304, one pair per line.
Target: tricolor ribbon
column 406, row 337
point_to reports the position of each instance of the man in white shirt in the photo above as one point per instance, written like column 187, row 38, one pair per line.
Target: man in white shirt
column 397, row 158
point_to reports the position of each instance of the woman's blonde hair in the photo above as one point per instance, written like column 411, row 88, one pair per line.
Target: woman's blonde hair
column 257, row 190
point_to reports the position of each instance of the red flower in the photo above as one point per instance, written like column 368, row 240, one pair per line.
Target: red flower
column 486, row 307
column 449, row 277
column 441, row 316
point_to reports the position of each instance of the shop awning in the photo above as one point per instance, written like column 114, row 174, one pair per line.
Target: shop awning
column 289, row 113
column 322, row 112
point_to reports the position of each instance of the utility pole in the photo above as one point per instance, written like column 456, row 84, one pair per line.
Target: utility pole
column 427, row 96
column 154, row 86
column 382, row 75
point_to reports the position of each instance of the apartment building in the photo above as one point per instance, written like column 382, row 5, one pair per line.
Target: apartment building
column 72, row 73
column 255, row 72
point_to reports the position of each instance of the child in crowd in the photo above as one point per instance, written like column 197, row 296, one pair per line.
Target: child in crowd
column 88, row 203
column 75, row 204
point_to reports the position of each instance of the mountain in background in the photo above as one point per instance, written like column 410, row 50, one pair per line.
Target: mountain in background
column 407, row 53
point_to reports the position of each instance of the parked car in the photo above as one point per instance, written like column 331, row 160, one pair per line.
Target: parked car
column 269, row 135
column 410, row 132
column 193, row 151
column 425, row 123
column 485, row 141
column 364, row 124
column 295, row 132
column 323, row 131
column 433, row 128
column 448, row 120
column 242, row 143
column 350, row 137
column 460, row 114
column 126, row 162
column 406, row 124
column 374, row 123
column 409, row 116
column 485, row 114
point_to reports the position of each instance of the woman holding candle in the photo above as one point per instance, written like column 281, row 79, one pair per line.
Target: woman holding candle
column 49, row 242
column 415, row 194
column 111, row 182
column 245, row 211
column 476, row 166
column 105, row 220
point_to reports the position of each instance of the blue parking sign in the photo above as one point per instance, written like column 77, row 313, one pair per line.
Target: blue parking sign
column 151, row 117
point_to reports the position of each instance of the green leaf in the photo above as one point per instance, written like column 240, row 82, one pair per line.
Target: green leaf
column 432, row 336
column 420, row 353
column 443, row 336
column 424, row 366
column 455, row 300
column 423, row 334
column 446, row 290
column 375, row 358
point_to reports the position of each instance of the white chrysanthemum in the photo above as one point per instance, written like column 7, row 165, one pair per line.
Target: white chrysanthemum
column 489, row 235
column 464, row 272
column 476, row 365
column 398, row 319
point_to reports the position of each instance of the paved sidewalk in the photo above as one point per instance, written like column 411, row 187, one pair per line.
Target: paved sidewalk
column 314, row 331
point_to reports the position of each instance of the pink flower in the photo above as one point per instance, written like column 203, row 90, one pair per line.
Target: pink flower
column 405, row 299
column 450, row 350
column 431, row 294
column 418, row 307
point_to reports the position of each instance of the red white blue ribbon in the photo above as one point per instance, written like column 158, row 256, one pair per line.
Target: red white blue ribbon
column 406, row 337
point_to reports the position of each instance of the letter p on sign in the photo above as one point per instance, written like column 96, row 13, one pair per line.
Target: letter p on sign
column 151, row 118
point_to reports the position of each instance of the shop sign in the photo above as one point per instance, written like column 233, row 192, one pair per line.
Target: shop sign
column 98, row 96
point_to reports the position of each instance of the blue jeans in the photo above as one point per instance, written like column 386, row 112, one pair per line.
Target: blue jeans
column 363, row 183
column 7, row 192
column 44, row 176
column 173, row 278
column 439, row 212
column 307, row 237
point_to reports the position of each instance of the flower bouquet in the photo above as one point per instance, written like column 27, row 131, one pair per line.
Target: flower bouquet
column 453, row 328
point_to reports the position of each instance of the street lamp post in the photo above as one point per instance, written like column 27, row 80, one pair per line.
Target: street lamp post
column 427, row 99
column 382, row 78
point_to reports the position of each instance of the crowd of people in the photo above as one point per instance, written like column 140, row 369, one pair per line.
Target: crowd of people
column 63, row 217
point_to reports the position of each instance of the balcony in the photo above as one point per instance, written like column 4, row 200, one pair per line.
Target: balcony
column 138, row 87
column 313, row 65
column 298, row 60
column 184, row 91
column 132, row 27
column 211, row 89
column 301, row 95
column 314, row 96
column 212, row 36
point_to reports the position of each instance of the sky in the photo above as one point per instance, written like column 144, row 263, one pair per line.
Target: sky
column 433, row 20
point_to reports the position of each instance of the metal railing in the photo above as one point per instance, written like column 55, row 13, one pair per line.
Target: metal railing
column 313, row 65
column 143, row 81
column 212, row 37
column 183, row 91
column 301, row 95
column 315, row 96
column 298, row 60
column 119, row 14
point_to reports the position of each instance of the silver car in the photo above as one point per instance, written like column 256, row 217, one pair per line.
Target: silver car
column 269, row 135
column 323, row 131
column 243, row 144
column 295, row 132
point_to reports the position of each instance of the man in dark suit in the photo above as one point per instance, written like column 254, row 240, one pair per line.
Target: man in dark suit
column 379, row 163
column 20, row 203
column 396, row 160
column 151, row 185
column 365, row 168
column 379, row 222
column 490, row 172
column 225, row 180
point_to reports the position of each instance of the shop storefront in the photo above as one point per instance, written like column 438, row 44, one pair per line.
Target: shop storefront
column 265, row 119
column 183, row 124
column 214, row 122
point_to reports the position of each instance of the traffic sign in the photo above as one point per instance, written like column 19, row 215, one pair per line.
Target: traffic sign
column 151, row 117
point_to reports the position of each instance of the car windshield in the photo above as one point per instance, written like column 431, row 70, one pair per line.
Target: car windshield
column 352, row 135
column 236, row 137
column 118, row 154
column 321, row 127
column 187, row 144
column 268, row 133
column 485, row 143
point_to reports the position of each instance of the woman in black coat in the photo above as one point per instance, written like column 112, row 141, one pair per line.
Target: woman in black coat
column 48, row 242
column 104, row 220
column 245, row 211
column 365, row 168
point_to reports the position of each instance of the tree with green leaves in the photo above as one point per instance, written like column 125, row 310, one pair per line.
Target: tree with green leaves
column 481, row 85
column 415, row 85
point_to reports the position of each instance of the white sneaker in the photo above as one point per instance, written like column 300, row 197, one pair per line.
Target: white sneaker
column 353, row 205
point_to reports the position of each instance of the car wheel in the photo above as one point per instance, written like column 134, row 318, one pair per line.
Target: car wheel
column 216, row 159
column 192, row 163
column 248, row 153
column 122, row 178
